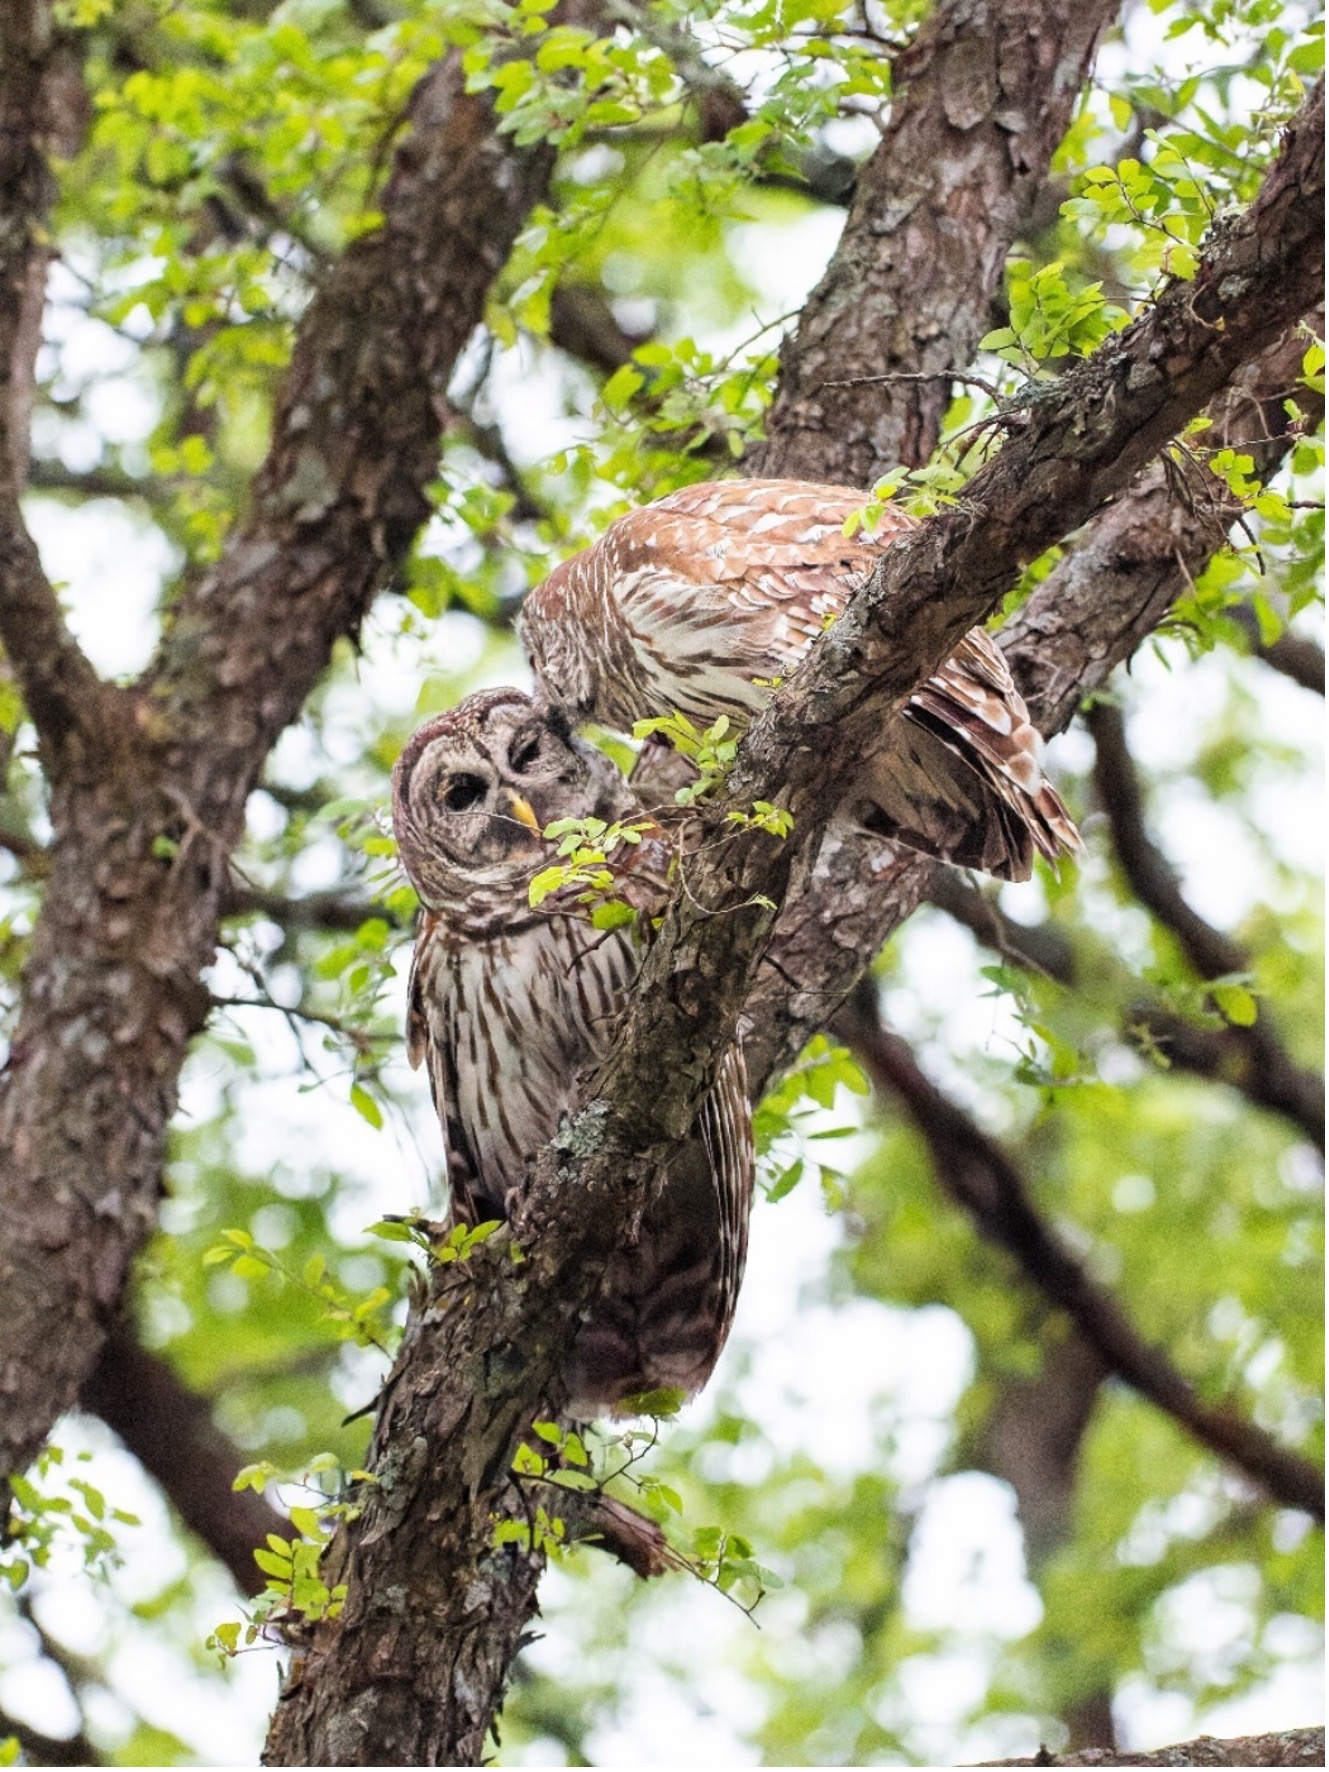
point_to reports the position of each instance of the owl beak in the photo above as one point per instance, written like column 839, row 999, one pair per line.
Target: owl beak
column 523, row 812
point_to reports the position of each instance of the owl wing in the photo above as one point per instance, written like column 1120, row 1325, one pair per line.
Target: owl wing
column 733, row 580
column 725, row 1124
column 668, row 1299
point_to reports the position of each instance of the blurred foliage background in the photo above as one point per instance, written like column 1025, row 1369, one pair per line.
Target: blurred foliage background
column 984, row 1540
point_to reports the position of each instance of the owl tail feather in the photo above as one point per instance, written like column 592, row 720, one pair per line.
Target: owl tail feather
column 961, row 775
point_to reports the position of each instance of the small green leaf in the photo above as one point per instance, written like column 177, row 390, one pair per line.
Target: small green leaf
column 612, row 914
column 367, row 1108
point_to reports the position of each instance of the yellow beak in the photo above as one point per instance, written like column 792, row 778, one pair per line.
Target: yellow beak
column 521, row 810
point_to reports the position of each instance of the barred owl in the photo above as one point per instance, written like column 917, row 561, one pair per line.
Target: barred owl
column 509, row 1004
column 696, row 603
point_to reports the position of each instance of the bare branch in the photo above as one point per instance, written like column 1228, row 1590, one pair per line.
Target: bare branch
column 335, row 909
column 170, row 1430
column 982, row 1177
column 1243, row 1058
column 1286, row 1747
column 1295, row 655
column 1151, row 877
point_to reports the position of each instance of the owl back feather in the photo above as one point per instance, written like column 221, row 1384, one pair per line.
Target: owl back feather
column 703, row 600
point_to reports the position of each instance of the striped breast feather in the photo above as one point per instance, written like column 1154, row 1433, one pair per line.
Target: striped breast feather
column 505, row 1024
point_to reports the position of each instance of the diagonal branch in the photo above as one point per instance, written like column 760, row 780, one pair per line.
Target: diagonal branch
column 170, row 1430
column 1295, row 655
column 1081, row 442
column 1116, row 582
column 1260, row 1067
column 982, row 1178
column 1149, row 873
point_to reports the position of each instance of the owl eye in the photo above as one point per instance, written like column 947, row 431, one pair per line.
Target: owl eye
column 462, row 791
column 525, row 751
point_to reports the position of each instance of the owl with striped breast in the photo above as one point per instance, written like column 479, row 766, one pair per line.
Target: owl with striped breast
column 510, row 1005
column 701, row 602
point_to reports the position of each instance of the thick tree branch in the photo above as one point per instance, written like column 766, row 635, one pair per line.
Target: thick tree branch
column 983, row 95
column 1117, row 581
column 170, row 1430
column 1286, row 1747
column 473, row 1370
column 984, row 1180
column 39, row 89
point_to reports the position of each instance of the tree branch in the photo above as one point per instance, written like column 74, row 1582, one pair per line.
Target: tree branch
column 49, row 1750
column 1285, row 1747
column 1269, row 1068
column 1147, row 870
column 1260, row 1068
column 143, row 835
column 1115, row 583
column 37, row 83
column 983, row 1179
column 1295, row 655
column 984, row 94
column 336, row 909
column 170, row 1430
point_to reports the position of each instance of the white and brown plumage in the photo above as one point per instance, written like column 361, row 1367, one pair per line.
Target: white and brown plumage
column 509, row 1005
column 696, row 603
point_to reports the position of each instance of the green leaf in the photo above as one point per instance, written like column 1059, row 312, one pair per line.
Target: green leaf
column 626, row 381
column 612, row 914
column 367, row 1108
column 1235, row 1003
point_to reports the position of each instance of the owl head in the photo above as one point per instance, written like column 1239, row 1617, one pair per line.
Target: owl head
column 475, row 787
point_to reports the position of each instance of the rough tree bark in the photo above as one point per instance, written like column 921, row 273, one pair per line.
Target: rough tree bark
column 415, row 1666
column 1285, row 1747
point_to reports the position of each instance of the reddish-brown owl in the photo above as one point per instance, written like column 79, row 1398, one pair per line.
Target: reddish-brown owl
column 696, row 603
column 509, row 1005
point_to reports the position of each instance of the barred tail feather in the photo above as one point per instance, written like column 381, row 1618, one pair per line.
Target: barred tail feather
column 962, row 778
